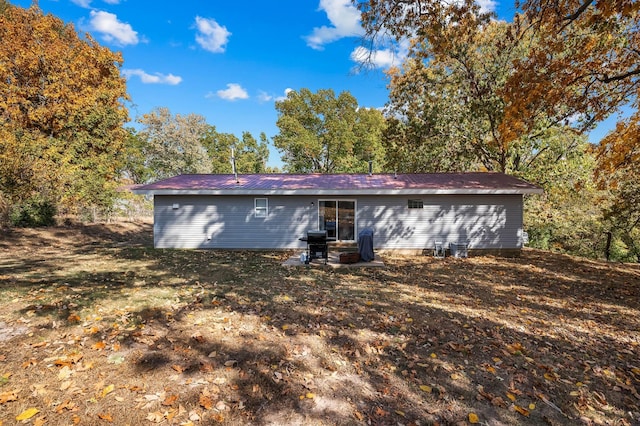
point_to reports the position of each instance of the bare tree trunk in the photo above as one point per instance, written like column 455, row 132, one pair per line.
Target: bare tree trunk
column 607, row 249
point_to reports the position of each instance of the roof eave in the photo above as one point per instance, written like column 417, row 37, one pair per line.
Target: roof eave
column 336, row 192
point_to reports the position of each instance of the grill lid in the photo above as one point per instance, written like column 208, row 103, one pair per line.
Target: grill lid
column 320, row 236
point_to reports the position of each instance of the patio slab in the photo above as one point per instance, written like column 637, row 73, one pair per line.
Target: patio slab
column 333, row 262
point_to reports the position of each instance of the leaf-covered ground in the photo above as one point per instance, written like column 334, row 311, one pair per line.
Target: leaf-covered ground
column 97, row 327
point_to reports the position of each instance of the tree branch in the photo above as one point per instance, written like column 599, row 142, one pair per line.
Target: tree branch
column 620, row 77
column 579, row 11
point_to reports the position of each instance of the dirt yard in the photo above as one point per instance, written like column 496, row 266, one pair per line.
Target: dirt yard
column 97, row 327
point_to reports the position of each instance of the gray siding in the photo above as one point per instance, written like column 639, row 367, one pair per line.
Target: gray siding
column 482, row 221
column 230, row 222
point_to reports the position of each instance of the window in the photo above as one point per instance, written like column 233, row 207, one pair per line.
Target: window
column 416, row 204
column 262, row 207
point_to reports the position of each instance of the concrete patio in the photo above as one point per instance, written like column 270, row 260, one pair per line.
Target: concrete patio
column 333, row 262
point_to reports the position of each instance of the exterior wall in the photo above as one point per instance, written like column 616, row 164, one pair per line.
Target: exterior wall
column 482, row 221
column 230, row 222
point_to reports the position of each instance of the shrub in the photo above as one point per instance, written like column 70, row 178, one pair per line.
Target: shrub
column 33, row 212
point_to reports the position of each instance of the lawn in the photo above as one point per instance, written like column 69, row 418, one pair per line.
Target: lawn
column 97, row 327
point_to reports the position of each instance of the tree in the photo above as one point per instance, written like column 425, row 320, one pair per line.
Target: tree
column 578, row 65
column 61, row 112
column 446, row 108
column 568, row 216
column 619, row 172
column 135, row 169
column 322, row 133
column 250, row 156
column 173, row 145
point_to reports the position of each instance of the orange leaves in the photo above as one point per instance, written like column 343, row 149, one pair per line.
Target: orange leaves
column 8, row 396
column 71, row 77
column 521, row 410
column 106, row 417
column 206, row 402
column 515, row 348
column 170, row 400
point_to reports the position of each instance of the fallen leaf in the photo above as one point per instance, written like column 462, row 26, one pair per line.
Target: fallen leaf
column 27, row 414
column 29, row 363
column 473, row 418
column 64, row 373
column 511, row 396
column 521, row 410
column 156, row 417
column 106, row 417
column 8, row 396
column 106, row 391
column 310, row 395
column 499, row 402
column 170, row 400
column 205, row 402
column 67, row 405
column 515, row 348
column 380, row 412
column 426, row 388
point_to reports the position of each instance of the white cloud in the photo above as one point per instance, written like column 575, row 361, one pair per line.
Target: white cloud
column 211, row 36
column 82, row 3
column 87, row 3
column 345, row 21
column 286, row 92
column 232, row 92
column 487, row 5
column 385, row 58
column 156, row 78
column 266, row 97
column 375, row 58
column 113, row 30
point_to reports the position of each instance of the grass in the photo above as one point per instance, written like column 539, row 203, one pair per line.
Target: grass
column 97, row 327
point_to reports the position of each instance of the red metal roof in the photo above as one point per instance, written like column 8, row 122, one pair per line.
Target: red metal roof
column 347, row 183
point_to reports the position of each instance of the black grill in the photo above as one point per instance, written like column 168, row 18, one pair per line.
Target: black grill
column 317, row 245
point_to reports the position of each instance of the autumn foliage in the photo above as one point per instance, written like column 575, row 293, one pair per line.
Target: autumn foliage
column 61, row 112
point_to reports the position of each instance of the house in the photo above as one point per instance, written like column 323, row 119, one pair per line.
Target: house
column 273, row 211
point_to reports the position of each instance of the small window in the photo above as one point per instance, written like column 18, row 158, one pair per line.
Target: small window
column 262, row 207
column 416, row 204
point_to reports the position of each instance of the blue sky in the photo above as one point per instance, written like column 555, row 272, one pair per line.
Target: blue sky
column 230, row 61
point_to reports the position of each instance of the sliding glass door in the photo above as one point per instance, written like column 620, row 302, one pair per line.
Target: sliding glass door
column 338, row 218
